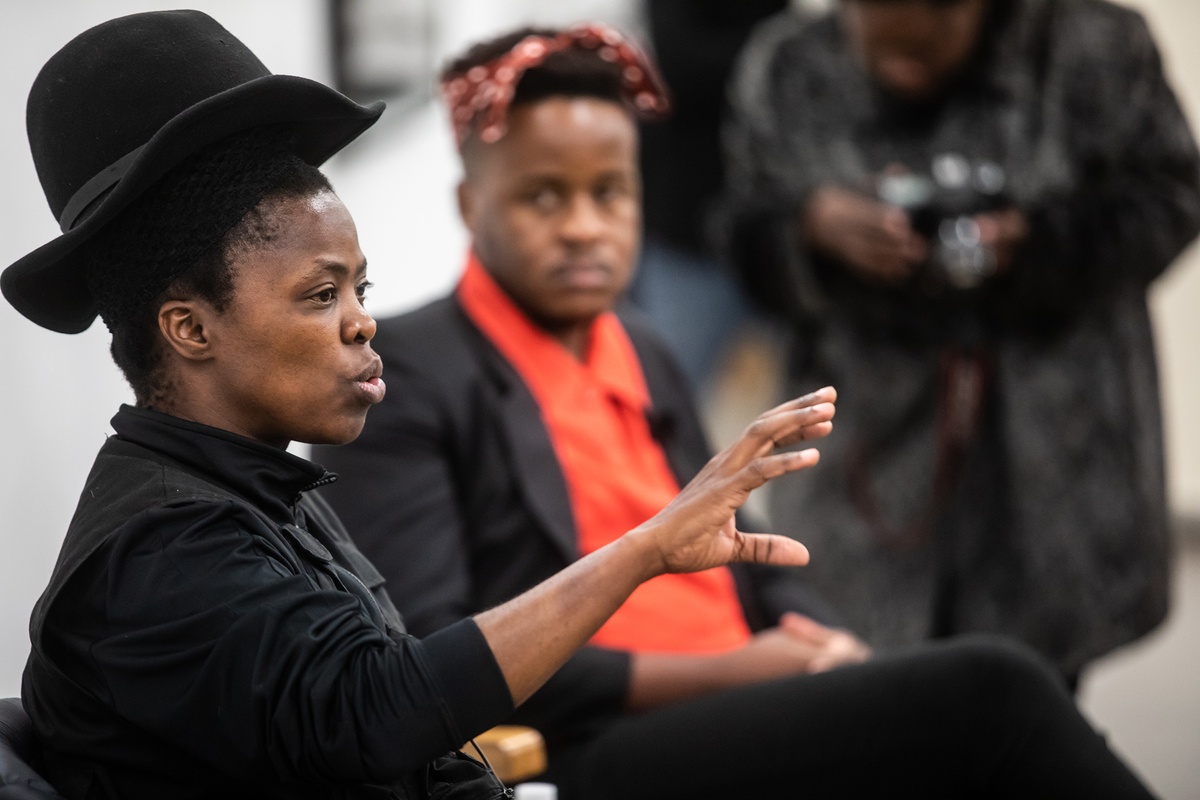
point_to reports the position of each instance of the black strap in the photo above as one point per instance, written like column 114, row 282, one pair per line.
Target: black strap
column 98, row 185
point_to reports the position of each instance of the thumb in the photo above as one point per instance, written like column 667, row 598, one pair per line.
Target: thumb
column 770, row 548
column 805, row 628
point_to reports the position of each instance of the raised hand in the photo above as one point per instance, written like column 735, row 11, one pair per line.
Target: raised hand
column 696, row 530
column 533, row 634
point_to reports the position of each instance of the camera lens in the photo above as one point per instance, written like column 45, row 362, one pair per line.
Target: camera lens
column 951, row 170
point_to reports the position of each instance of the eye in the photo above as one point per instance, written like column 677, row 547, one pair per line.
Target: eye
column 361, row 290
column 611, row 192
column 544, row 199
column 325, row 296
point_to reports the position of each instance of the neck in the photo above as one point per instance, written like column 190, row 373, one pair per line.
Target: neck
column 575, row 338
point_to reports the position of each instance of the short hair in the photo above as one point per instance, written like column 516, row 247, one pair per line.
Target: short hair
column 573, row 72
column 178, row 238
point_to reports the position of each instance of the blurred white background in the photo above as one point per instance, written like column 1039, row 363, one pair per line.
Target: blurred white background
column 58, row 392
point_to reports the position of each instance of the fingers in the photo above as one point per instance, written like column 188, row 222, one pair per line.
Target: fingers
column 842, row 649
column 770, row 548
column 817, row 430
column 785, row 425
column 805, row 628
column 767, row 468
column 826, row 394
column 804, row 418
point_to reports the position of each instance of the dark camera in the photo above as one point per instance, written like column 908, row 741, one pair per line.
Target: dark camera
column 941, row 206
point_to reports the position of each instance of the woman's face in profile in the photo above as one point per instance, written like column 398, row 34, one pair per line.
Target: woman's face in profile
column 291, row 359
column 913, row 48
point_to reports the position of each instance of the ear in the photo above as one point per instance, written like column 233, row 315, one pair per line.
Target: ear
column 182, row 323
column 466, row 203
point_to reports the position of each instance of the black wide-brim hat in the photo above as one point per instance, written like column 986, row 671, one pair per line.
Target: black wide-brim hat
column 127, row 100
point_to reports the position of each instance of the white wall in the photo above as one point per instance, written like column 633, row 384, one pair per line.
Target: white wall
column 58, row 392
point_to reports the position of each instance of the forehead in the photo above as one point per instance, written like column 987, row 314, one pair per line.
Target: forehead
column 291, row 236
column 561, row 132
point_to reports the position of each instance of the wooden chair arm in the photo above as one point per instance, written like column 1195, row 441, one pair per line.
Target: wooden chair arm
column 515, row 752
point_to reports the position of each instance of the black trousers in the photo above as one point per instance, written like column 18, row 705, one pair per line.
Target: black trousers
column 976, row 717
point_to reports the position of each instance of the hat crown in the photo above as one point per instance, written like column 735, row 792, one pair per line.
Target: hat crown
column 110, row 89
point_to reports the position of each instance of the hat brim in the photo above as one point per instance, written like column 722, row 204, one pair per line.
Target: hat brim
column 49, row 287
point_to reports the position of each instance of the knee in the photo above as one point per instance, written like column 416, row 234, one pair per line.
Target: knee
column 999, row 667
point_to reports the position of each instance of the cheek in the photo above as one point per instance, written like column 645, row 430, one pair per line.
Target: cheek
column 292, row 360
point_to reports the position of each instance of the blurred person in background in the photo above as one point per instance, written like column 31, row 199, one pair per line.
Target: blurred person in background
column 529, row 423
column 695, row 301
column 959, row 205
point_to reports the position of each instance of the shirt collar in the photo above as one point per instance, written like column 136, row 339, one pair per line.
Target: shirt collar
column 542, row 361
column 267, row 476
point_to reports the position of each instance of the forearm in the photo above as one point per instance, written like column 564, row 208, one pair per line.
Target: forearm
column 662, row 679
column 534, row 634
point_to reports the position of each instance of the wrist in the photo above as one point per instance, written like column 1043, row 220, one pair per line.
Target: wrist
column 641, row 548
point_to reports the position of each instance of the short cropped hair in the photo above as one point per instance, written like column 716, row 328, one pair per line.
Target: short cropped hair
column 177, row 239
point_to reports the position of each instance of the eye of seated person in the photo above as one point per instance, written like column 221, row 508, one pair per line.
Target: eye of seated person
column 289, row 359
column 914, row 48
column 554, row 209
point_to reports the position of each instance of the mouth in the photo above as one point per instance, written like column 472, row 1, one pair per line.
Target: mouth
column 585, row 274
column 370, row 383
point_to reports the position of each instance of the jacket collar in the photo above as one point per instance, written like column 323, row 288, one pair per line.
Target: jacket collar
column 266, row 476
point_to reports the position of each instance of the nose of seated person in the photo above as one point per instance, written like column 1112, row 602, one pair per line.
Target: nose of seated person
column 914, row 48
column 554, row 209
column 289, row 358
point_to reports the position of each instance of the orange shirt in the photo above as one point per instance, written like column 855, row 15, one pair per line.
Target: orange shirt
column 617, row 475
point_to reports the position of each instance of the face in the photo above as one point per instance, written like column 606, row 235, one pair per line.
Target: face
column 290, row 358
column 555, row 209
column 913, row 47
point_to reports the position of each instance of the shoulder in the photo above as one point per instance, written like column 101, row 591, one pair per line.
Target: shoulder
column 792, row 55
column 435, row 344
column 787, row 38
column 422, row 334
column 1097, row 32
column 135, row 504
column 127, row 478
column 658, row 363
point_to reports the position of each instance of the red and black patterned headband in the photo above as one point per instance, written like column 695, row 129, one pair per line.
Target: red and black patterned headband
column 480, row 97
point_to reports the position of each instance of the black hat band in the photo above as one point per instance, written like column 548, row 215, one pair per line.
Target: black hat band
column 96, row 186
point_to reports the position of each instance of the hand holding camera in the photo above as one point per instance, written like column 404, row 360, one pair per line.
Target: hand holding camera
column 952, row 227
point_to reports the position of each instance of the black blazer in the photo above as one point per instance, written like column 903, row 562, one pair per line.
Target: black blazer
column 453, row 490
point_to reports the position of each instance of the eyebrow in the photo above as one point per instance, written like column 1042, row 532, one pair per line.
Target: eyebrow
column 324, row 265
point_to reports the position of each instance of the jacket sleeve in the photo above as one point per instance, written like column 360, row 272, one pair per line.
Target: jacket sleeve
column 1130, row 201
column 202, row 603
column 771, row 169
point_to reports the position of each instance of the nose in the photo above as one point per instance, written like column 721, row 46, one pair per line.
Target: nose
column 584, row 220
column 359, row 326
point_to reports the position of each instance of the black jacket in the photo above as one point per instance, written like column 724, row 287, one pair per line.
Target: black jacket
column 209, row 630
column 453, row 490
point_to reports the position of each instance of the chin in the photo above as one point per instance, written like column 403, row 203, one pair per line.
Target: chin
column 340, row 435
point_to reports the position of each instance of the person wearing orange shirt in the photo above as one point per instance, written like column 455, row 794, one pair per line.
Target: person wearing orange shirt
column 535, row 424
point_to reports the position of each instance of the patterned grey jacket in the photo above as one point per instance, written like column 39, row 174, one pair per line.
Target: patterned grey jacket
column 997, row 463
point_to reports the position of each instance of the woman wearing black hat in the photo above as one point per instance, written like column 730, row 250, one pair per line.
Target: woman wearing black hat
column 209, row 628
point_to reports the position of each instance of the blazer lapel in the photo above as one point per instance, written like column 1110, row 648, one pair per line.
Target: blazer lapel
column 533, row 460
column 536, row 467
